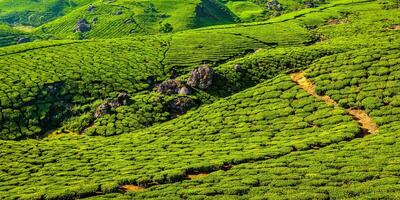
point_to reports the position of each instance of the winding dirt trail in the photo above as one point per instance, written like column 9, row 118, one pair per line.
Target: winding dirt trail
column 368, row 126
column 132, row 188
column 196, row 176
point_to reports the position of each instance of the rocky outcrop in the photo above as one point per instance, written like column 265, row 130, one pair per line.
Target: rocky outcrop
column 238, row 68
column 184, row 91
column 82, row 26
column 201, row 77
column 91, row 8
column 274, row 5
column 103, row 109
column 107, row 106
column 121, row 100
column 181, row 105
column 23, row 40
column 170, row 87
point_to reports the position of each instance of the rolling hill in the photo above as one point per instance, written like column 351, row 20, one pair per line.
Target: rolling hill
column 34, row 13
column 301, row 104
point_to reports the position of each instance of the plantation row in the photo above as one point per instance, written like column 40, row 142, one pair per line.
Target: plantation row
column 367, row 79
column 34, row 13
column 251, row 125
column 72, row 78
column 367, row 22
column 124, row 18
column 188, row 48
column 67, row 78
column 9, row 36
column 362, row 168
column 47, row 84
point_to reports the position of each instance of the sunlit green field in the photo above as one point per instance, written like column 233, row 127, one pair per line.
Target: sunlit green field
column 255, row 133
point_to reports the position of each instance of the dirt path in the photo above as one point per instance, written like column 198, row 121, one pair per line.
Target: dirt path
column 367, row 124
column 196, row 176
column 132, row 188
column 309, row 87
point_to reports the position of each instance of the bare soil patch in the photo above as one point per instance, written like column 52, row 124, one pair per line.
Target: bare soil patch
column 394, row 27
column 132, row 188
column 196, row 176
column 308, row 86
column 366, row 122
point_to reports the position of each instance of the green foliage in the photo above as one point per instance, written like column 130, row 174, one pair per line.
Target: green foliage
column 36, row 12
column 166, row 28
column 260, row 137
column 227, row 131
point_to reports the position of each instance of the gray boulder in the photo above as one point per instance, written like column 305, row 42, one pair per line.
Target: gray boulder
column 23, row 40
column 103, row 109
column 82, row 26
column 107, row 106
column 184, row 91
column 91, row 8
column 169, row 87
column 201, row 77
column 180, row 106
column 238, row 68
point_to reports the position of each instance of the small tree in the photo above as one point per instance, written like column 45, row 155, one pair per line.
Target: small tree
column 166, row 28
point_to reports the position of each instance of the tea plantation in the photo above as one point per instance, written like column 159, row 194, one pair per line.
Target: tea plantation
column 36, row 12
column 182, row 100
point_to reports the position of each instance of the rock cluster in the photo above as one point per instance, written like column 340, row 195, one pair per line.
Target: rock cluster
column 91, row 8
column 82, row 26
column 238, row 68
column 23, row 40
column 172, row 86
column 181, row 105
column 107, row 106
column 201, row 77
column 274, row 5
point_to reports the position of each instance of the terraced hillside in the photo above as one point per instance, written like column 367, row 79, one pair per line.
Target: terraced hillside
column 126, row 18
column 10, row 36
column 35, row 13
column 71, row 78
column 301, row 106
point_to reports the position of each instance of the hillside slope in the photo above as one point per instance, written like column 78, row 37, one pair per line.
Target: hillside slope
column 302, row 106
column 35, row 13
column 246, row 131
column 125, row 18
column 10, row 36
column 72, row 78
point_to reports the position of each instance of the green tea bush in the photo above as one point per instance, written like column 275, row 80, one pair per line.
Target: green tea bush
column 182, row 146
